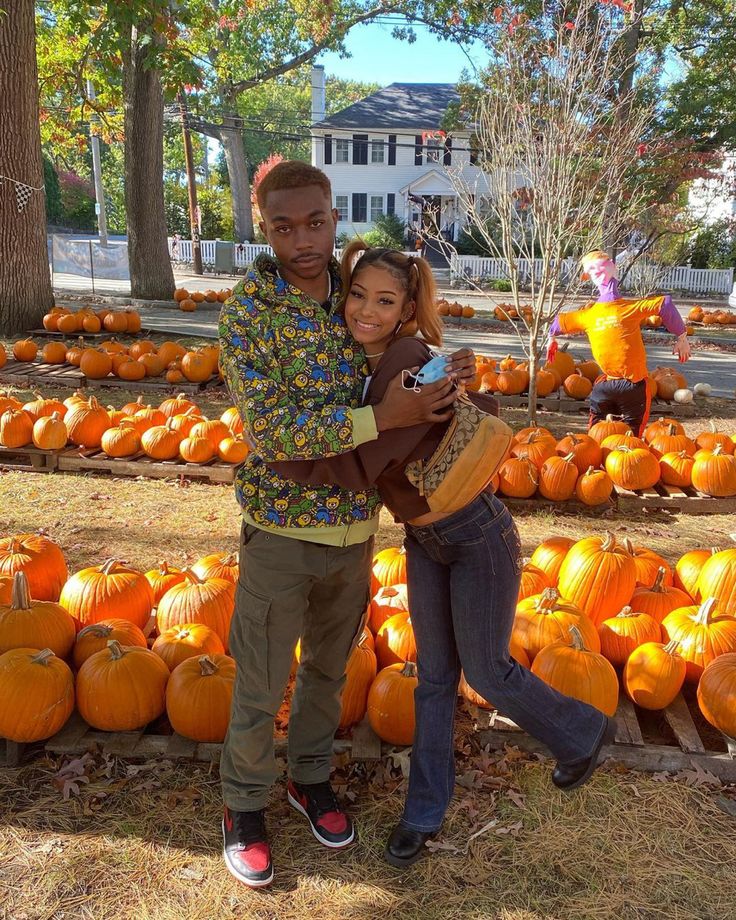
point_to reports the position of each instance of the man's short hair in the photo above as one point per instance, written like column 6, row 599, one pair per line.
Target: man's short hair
column 291, row 174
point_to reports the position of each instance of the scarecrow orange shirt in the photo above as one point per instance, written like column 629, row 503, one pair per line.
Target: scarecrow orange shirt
column 614, row 332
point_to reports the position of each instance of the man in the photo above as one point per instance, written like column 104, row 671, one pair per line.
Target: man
column 613, row 327
column 297, row 379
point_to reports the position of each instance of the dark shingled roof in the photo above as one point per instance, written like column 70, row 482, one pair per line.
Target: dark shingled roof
column 419, row 106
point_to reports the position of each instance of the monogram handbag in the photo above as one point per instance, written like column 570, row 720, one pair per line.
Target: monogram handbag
column 465, row 461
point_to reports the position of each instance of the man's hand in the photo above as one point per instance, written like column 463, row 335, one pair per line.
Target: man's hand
column 461, row 366
column 402, row 408
column 682, row 348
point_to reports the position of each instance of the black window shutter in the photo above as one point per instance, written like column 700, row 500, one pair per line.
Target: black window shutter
column 473, row 152
column 417, row 149
column 392, row 150
column 390, row 203
column 360, row 150
column 360, row 207
column 447, row 156
column 328, row 149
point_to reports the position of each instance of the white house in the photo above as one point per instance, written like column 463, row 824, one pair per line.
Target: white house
column 387, row 154
column 713, row 200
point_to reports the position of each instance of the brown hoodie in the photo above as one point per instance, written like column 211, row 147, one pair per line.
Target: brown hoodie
column 382, row 462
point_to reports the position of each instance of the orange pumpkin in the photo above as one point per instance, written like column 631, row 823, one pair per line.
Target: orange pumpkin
column 389, row 568
column 621, row 634
column 213, row 430
column 585, row 450
column 196, row 367
column 43, row 408
column 518, row 477
column 37, row 690
column 632, row 468
column 86, row 423
column 676, row 468
column 94, row 638
column 598, row 576
column 232, row 450
column 594, row 487
column 16, row 428
column 121, row 441
column 40, row 558
column 111, row 589
column 390, row 706
column 557, row 478
column 387, row 601
column 183, row 641
column 25, row 350
column 715, row 473
column 549, row 556
column 26, row 623
column 538, row 449
column 613, row 441
column 707, row 440
column 170, row 351
column 395, row 640
column 54, row 353
column 196, row 450
column 50, row 433
column 231, row 418
column 195, row 600
column 218, row 565
column 718, row 579
column 577, row 386
column 533, row 581
column 601, row 430
column 161, row 442
column 717, row 694
column 199, row 697
column 669, row 441
column 545, row 618
column 659, row 599
column 688, row 568
column 162, row 578
column 360, row 672
column 654, row 674
column 703, row 633
column 648, row 563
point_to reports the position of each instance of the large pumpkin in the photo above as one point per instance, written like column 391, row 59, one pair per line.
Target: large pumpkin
column 94, row 638
column 660, row 598
column 16, row 428
column 648, row 563
column 178, row 643
column 518, row 477
column 715, row 473
column 654, row 674
column 550, row 555
column 391, row 703
column 578, row 672
column 25, row 623
column 218, row 565
column 632, row 468
column 557, row 478
column 546, row 618
column 718, row 579
column 702, row 634
column 122, row 440
column 389, row 568
column 122, row 689
column 161, row 442
column 360, row 673
column 387, row 601
column 676, row 468
column 671, row 440
column 621, row 634
column 112, row 589
column 86, row 423
column 40, row 558
column 49, row 433
column 586, row 451
column 598, row 576
column 717, row 694
column 195, row 600
column 395, row 642
column 37, row 690
column 199, row 697
column 688, row 568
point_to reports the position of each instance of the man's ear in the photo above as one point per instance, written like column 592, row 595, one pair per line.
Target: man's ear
column 262, row 227
column 335, row 217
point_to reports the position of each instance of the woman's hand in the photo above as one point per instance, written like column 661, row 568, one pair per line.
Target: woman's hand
column 461, row 366
column 402, row 408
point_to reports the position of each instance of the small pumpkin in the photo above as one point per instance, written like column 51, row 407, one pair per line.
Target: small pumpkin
column 594, row 487
column 676, row 468
column 162, row 578
column 213, row 430
column 54, row 353
column 628, row 439
column 661, row 426
column 647, row 563
column 176, row 405
column 577, row 386
column 670, row 441
column 196, row 450
column 196, row 367
column 161, row 442
column 518, row 477
column 660, row 598
column 25, row 350
column 610, row 425
column 199, row 697
column 95, row 363
column 128, row 369
column 16, row 428
column 578, row 672
column 26, row 623
column 707, row 440
column 390, row 706
column 621, row 634
column 557, row 478
column 122, row 689
column 218, row 565
column 50, row 433
column 654, row 674
column 395, row 640
column 537, row 448
column 702, row 633
column 360, row 672
column 231, row 418
column 715, row 473
column 183, row 641
column 586, row 451
column 94, row 638
column 632, row 468
column 232, row 450
column 122, row 441
column 37, row 690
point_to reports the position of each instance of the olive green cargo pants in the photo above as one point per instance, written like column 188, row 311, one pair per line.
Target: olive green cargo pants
column 289, row 588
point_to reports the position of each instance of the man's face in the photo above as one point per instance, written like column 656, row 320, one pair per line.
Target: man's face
column 300, row 226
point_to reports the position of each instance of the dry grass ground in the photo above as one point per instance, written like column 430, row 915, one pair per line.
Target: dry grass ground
column 142, row 841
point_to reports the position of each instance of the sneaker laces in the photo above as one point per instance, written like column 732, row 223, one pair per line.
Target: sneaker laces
column 323, row 797
column 250, row 827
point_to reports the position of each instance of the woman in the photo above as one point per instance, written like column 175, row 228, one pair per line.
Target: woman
column 463, row 568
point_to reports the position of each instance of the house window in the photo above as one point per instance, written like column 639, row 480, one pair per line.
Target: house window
column 342, row 150
column 360, row 207
column 377, row 151
column 341, row 205
column 434, row 150
column 376, row 207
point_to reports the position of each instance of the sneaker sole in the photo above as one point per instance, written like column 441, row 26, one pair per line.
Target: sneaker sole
column 249, row 883
column 326, row 843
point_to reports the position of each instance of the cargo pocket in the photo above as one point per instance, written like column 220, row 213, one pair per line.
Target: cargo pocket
column 251, row 651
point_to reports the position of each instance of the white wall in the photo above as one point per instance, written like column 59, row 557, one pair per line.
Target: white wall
column 712, row 200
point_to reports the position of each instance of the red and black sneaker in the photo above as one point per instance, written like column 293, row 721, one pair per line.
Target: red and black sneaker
column 319, row 805
column 246, row 851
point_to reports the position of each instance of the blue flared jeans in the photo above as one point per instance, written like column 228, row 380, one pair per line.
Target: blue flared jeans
column 463, row 578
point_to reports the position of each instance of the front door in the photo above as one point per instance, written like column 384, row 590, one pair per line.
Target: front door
column 431, row 214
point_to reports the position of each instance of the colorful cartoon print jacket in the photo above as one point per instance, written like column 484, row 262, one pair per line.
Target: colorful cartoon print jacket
column 297, row 379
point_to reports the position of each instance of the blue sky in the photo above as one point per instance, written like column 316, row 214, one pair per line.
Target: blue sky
column 378, row 57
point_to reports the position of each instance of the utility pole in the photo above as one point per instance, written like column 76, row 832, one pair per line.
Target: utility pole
column 191, row 186
column 97, row 173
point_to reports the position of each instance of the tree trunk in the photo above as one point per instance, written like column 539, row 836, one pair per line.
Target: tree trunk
column 231, row 139
column 151, row 275
column 533, row 364
column 25, row 282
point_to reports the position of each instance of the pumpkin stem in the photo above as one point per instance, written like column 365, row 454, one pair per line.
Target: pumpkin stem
column 547, row 600
column 672, row 647
column 108, row 565
column 703, row 616
column 409, row 669
column 671, row 430
column 577, row 639
column 569, row 457
column 207, row 666
column 56, row 417
column 609, row 542
column 717, row 449
column 591, row 469
column 659, row 585
column 20, row 598
column 101, row 630
column 192, row 576
column 626, row 612
column 116, row 649
column 43, row 657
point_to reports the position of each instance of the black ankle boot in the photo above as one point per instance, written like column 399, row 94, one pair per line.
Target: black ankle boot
column 568, row 776
column 405, row 846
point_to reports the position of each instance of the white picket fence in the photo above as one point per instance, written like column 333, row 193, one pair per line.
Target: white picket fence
column 243, row 253
column 481, row 269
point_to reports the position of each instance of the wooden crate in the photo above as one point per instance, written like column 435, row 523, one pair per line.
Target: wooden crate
column 562, row 403
column 34, row 374
column 630, row 747
column 29, row 459
column 158, row 740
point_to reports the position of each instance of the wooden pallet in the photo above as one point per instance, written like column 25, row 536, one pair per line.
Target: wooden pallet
column 68, row 336
column 36, row 373
column 560, row 403
column 29, row 459
column 77, row 737
column 630, row 747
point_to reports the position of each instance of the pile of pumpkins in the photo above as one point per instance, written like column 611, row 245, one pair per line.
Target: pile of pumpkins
column 60, row 319
column 188, row 302
column 510, row 377
column 127, row 362
column 79, row 641
column 712, row 317
column 587, row 466
column 455, row 309
column 177, row 428
column 593, row 616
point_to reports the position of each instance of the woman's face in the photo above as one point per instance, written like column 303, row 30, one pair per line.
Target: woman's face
column 375, row 305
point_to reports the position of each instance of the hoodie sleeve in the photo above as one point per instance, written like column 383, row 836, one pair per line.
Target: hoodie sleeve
column 276, row 427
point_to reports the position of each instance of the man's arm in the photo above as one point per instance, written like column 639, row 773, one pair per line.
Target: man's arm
column 674, row 323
